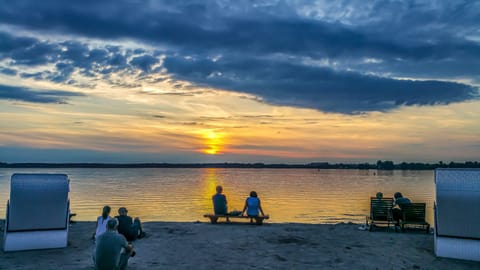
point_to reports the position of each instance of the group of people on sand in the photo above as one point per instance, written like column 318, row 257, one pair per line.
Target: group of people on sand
column 253, row 205
column 398, row 203
column 114, row 236
column 113, row 239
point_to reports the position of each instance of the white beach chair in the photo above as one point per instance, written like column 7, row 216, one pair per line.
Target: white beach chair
column 37, row 215
column 457, row 214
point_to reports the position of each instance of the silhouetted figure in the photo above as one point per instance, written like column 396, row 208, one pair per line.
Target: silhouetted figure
column 131, row 229
column 380, row 206
column 253, row 205
column 400, row 201
column 112, row 250
column 219, row 202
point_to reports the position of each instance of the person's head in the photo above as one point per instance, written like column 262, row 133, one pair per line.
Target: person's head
column 253, row 194
column 106, row 211
column 122, row 211
column 397, row 195
column 379, row 195
column 219, row 189
column 112, row 224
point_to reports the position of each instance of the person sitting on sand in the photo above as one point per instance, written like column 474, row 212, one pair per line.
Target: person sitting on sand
column 112, row 250
column 219, row 202
column 131, row 229
column 253, row 205
column 102, row 221
column 400, row 201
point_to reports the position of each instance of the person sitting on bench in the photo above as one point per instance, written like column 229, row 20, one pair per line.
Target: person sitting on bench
column 253, row 205
column 400, row 201
column 219, row 202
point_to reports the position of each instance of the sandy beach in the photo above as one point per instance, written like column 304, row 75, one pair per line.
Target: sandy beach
column 200, row 245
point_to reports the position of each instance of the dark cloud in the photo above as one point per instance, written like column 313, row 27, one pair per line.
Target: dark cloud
column 8, row 71
column 319, row 88
column 63, row 73
column 271, row 50
column 36, row 75
column 36, row 54
column 144, row 62
column 199, row 27
column 35, row 96
column 9, row 43
column 66, row 57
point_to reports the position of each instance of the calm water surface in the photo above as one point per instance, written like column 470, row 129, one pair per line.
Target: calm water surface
column 288, row 195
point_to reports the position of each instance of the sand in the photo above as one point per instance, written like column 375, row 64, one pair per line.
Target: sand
column 200, row 245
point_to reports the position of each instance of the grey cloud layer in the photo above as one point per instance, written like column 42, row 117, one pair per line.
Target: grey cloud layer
column 262, row 50
column 36, row 96
column 67, row 57
column 318, row 88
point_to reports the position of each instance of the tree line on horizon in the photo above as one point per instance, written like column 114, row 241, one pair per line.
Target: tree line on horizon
column 390, row 165
column 379, row 165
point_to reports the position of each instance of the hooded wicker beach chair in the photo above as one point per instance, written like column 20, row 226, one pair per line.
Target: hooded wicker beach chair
column 37, row 215
column 457, row 213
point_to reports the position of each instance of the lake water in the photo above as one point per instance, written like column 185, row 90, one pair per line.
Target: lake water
column 287, row 195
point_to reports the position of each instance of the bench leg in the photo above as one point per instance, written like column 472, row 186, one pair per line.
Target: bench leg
column 213, row 220
column 70, row 218
column 259, row 221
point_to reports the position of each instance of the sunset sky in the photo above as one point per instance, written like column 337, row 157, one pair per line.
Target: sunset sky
column 239, row 81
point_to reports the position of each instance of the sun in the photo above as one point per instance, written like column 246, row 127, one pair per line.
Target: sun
column 211, row 151
column 214, row 142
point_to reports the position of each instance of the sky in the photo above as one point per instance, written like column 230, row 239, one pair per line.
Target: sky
column 239, row 81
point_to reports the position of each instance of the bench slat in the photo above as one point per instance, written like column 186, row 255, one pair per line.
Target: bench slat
column 414, row 214
column 380, row 212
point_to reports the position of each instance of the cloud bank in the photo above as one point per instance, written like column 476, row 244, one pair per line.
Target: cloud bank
column 304, row 54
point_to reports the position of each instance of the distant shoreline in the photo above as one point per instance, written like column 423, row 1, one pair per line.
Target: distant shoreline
column 380, row 165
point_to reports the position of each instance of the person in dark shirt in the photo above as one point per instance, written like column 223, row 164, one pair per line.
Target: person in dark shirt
column 219, row 202
column 400, row 201
column 130, row 228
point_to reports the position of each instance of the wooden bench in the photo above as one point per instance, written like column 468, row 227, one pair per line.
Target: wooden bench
column 380, row 212
column 214, row 218
column 414, row 214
